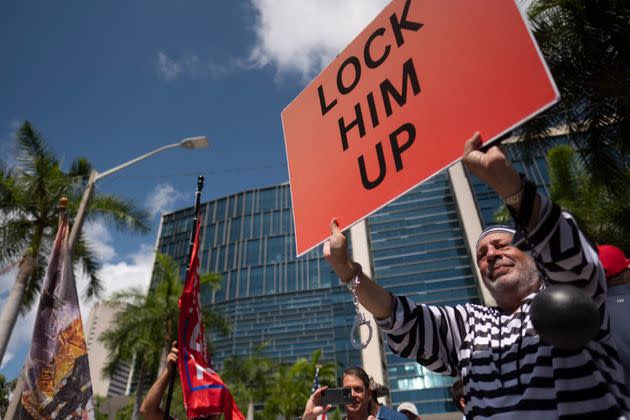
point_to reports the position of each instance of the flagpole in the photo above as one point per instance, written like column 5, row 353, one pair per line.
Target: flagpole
column 171, row 378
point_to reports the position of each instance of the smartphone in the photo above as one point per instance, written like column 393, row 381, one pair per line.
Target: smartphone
column 337, row 396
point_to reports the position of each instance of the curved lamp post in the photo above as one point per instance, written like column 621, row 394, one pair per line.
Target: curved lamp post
column 187, row 143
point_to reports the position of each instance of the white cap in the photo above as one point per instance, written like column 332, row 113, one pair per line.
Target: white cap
column 408, row 407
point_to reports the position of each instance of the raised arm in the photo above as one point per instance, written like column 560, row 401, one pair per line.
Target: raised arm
column 150, row 408
column 553, row 238
column 406, row 323
column 373, row 297
column 493, row 168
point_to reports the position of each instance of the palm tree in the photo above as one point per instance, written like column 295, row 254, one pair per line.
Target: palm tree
column 145, row 323
column 29, row 194
column 586, row 44
column 5, row 390
column 604, row 216
column 292, row 386
column 249, row 379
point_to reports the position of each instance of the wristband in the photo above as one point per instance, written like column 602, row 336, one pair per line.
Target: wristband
column 357, row 272
column 514, row 200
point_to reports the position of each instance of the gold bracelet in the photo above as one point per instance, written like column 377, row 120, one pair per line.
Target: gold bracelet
column 514, row 200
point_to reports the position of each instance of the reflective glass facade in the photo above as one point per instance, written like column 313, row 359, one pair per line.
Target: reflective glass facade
column 294, row 304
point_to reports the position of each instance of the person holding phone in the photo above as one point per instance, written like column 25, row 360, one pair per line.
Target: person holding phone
column 358, row 381
column 362, row 407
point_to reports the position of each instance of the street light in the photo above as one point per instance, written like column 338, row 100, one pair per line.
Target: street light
column 194, row 142
column 187, row 143
column 199, row 142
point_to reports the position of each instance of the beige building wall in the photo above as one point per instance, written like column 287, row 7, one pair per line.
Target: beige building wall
column 470, row 220
column 100, row 318
column 372, row 356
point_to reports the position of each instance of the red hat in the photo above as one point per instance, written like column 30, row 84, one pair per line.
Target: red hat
column 613, row 259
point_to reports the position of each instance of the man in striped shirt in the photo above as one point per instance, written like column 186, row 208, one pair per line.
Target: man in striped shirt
column 507, row 370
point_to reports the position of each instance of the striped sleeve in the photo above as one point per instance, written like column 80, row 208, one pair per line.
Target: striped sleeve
column 564, row 254
column 431, row 335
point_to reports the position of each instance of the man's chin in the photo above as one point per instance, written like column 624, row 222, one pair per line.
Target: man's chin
column 503, row 283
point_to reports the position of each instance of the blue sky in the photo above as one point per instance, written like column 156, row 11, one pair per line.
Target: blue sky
column 112, row 80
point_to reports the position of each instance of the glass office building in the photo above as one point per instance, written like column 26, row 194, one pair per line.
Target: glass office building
column 295, row 305
column 417, row 247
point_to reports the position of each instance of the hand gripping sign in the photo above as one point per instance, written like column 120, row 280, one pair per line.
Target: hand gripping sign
column 396, row 106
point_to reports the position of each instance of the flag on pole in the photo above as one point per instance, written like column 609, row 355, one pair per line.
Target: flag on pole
column 204, row 391
column 315, row 388
column 57, row 372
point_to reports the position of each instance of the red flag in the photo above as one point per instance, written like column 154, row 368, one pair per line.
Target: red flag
column 204, row 391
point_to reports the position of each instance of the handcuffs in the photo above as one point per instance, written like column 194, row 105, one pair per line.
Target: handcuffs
column 359, row 318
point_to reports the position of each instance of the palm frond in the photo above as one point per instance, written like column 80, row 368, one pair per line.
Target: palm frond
column 80, row 168
column 14, row 235
column 586, row 44
column 123, row 214
column 216, row 321
column 212, row 280
column 8, row 189
column 30, row 145
column 85, row 257
column 562, row 172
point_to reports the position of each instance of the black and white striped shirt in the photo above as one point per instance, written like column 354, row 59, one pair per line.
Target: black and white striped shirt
column 507, row 371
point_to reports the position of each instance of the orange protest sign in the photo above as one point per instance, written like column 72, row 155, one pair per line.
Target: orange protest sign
column 396, row 106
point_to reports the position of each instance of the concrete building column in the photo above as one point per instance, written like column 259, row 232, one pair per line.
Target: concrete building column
column 470, row 220
column 371, row 356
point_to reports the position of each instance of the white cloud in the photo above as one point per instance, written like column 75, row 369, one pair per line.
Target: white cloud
column 294, row 36
column 100, row 240
column 7, row 358
column 303, row 36
column 162, row 198
column 192, row 65
column 134, row 271
column 168, row 68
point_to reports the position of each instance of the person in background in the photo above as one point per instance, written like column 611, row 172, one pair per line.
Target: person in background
column 457, row 394
column 364, row 407
column 381, row 411
column 409, row 410
column 616, row 267
column 359, row 382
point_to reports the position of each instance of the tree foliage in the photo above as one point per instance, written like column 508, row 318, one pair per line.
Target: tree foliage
column 29, row 212
column 292, row 385
column 250, row 378
column 586, row 44
column 146, row 323
column 603, row 215
column 5, row 388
